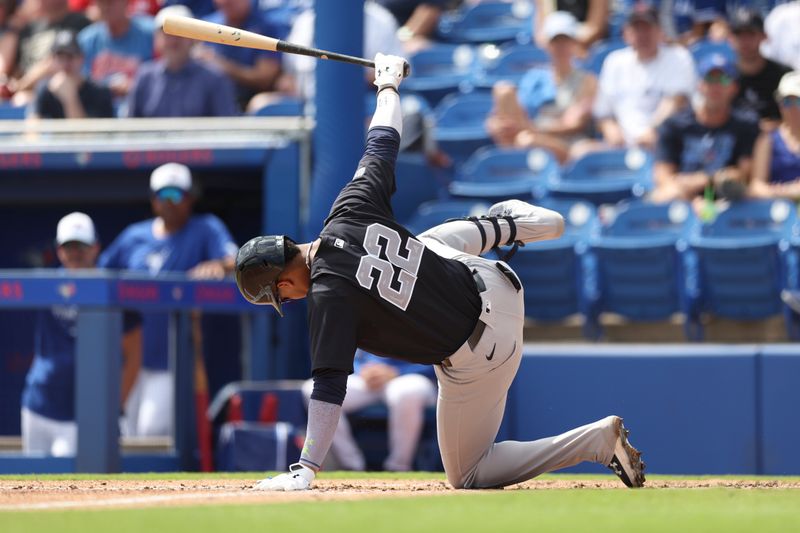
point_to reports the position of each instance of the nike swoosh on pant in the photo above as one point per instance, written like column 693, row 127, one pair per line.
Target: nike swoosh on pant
column 491, row 355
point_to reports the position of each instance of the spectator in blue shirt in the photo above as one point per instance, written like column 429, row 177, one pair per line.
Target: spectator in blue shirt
column 174, row 241
column 706, row 150
column 281, row 14
column 48, row 400
column 253, row 71
column 406, row 389
column 116, row 45
column 175, row 85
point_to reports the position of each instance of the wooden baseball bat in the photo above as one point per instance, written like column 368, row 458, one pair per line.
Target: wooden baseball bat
column 219, row 33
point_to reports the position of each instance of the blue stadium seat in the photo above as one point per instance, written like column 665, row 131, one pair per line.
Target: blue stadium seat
column 460, row 128
column 10, row 112
column 550, row 271
column 496, row 174
column 417, row 182
column 487, row 22
column 510, row 65
column 790, row 248
column 632, row 264
column 435, row 212
column 604, row 177
column 439, row 70
column 598, row 52
column 732, row 265
column 281, row 108
column 704, row 48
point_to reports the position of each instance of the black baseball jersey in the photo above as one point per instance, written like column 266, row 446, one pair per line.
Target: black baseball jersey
column 375, row 286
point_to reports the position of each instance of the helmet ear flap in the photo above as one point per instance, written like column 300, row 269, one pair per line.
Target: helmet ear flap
column 258, row 265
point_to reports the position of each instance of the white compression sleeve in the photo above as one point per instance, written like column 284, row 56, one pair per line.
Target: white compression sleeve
column 537, row 224
column 388, row 111
column 322, row 420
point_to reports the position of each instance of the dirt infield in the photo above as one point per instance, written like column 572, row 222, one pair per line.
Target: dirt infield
column 83, row 494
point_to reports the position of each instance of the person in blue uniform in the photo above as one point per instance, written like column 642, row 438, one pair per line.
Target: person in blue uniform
column 174, row 240
column 48, row 400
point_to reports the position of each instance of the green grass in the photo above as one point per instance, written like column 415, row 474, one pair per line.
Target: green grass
column 728, row 510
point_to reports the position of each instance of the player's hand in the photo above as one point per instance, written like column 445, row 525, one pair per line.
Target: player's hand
column 388, row 70
column 299, row 477
column 213, row 269
column 63, row 86
column 377, row 375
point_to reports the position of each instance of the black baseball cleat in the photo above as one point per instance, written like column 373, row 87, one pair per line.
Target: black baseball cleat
column 627, row 462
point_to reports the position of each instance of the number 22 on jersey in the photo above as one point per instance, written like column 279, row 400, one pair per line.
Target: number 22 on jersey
column 385, row 268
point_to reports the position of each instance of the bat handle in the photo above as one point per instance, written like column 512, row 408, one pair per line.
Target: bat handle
column 406, row 68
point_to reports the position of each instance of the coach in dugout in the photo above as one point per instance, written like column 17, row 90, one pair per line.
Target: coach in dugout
column 175, row 85
column 174, row 241
column 48, row 400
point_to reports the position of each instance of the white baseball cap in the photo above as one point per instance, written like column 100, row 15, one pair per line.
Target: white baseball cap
column 171, row 175
column 789, row 85
column 560, row 23
column 177, row 10
column 76, row 227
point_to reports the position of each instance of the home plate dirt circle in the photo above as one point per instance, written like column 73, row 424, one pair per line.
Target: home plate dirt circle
column 16, row 495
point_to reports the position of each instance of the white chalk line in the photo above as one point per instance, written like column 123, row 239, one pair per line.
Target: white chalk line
column 126, row 500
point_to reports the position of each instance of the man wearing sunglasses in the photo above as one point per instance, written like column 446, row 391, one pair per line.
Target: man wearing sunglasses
column 174, row 240
column 428, row 299
column 706, row 150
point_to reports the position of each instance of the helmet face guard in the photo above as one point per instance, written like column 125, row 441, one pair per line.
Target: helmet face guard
column 258, row 265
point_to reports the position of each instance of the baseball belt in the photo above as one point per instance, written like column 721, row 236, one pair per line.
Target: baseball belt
column 480, row 326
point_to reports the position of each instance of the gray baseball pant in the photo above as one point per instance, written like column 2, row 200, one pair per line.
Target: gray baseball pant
column 474, row 383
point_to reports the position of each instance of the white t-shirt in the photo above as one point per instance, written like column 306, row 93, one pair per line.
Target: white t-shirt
column 380, row 35
column 630, row 91
column 782, row 27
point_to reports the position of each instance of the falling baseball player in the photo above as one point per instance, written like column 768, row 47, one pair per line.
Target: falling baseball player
column 427, row 299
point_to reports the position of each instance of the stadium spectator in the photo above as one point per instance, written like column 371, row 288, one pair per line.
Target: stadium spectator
column 174, row 241
column 32, row 58
column 783, row 38
column 380, row 35
column 135, row 7
column 253, row 71
column 417, row 20
column 281, row 14
column 776, row 158
column 558, row 99
column 116, row 45
column 67, row 93
column 48, row 400
column 592, row 16
column 200, row 8
column 758, row 76
column 9, row 32
column 175, row 85
column 706, row 150
column 405, row 388
column 641, row 85
column 707, row 20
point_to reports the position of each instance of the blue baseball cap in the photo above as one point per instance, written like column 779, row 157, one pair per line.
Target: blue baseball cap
column 719, row 62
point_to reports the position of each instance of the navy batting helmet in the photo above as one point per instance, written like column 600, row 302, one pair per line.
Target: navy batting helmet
column 258, row 264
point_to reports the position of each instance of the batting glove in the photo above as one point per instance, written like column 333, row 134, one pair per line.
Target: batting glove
column 299, row 478
column 388, row 71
